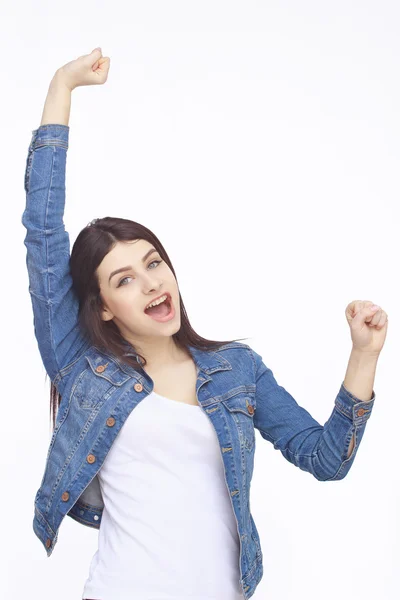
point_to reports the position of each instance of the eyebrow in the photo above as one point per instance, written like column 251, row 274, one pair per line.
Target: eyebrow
column 129, row 267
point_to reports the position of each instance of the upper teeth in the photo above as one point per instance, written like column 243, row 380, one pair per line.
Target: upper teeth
column 156, row 302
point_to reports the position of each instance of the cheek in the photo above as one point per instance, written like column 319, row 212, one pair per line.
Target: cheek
column 124, row 304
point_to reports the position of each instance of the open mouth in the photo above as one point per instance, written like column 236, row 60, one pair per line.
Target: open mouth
column 162, row 312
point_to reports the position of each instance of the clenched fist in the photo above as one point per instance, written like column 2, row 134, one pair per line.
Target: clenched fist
column 368, row 325
column 89, row 69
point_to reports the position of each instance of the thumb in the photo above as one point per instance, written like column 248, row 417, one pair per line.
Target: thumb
column 93, row 56
column 365, row 315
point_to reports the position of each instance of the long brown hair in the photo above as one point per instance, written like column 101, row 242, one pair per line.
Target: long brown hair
column 89, row 249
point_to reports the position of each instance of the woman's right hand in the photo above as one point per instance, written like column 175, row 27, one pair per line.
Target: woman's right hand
column 89, row 69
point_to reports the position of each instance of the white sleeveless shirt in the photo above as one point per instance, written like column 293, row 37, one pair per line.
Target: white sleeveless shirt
column 168, row 531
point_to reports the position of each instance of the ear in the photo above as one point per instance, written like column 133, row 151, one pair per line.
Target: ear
column 106, row 314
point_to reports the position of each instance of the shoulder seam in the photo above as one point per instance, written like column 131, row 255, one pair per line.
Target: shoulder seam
column 233, row 345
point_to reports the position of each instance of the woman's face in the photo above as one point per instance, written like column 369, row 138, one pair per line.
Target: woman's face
column 131, row 276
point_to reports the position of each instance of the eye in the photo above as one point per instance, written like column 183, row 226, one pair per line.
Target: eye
column 155, row 261
column 123, row 280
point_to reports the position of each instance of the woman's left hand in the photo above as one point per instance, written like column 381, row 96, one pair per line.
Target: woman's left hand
column 368, row 327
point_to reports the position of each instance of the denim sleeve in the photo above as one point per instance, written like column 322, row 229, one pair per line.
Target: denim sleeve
column 55, row 306
column 320, row 450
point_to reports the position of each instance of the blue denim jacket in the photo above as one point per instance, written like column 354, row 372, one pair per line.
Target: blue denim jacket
column 236, row 390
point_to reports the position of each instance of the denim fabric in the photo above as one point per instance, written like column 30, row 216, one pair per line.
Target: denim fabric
column 235, row 389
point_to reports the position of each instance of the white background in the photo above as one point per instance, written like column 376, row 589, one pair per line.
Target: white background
column 260, row 142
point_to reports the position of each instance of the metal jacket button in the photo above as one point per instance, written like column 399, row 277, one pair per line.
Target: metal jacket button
column 138, row 387
column 250, row 409
column 65, row 496
column 48, row 543
column 100, row 368
column 110, row 421
column 91, row 458
column 361, row 412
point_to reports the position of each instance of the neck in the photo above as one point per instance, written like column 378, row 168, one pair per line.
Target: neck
column 159, row 351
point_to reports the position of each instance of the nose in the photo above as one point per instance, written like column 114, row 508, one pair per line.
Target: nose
column 150, row 283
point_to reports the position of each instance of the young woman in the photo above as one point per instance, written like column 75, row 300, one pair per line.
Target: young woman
column 154, row 435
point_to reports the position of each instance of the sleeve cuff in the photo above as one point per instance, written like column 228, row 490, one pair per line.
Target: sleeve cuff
column 47, row 135
column 352, row 407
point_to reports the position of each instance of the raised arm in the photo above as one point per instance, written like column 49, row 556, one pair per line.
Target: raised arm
column 328, row 451
column 55, row 306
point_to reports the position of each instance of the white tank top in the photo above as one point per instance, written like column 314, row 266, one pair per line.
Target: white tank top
column 168, row 531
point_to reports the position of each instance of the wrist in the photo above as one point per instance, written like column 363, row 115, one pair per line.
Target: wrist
column 364, row 356
column 360, row 374
column 59, row 82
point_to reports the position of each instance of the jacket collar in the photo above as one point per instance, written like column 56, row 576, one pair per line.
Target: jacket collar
column 208, row 361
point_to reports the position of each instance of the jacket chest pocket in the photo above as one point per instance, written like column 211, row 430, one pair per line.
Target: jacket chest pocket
column 97, row 382
column 241, row 410
column 89, row 390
